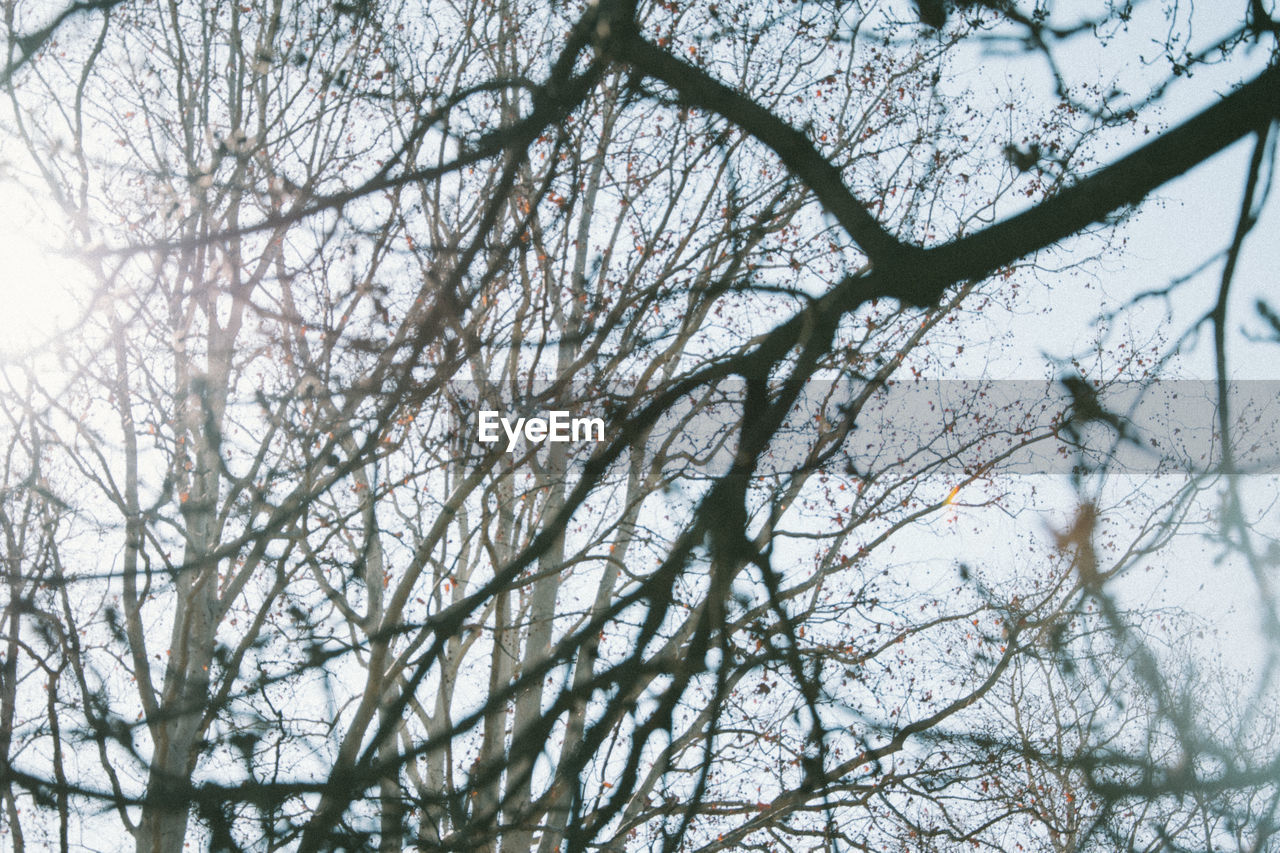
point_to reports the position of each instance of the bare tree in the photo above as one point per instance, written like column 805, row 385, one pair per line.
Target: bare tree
column 301, row 603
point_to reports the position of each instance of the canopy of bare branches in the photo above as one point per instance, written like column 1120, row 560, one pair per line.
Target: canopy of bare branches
column 561, row 426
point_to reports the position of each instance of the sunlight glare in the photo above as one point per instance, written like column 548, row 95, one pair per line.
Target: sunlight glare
column 38, row 281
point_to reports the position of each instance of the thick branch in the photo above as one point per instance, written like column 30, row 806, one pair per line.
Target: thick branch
column 1125, row 182
column 795, row 149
